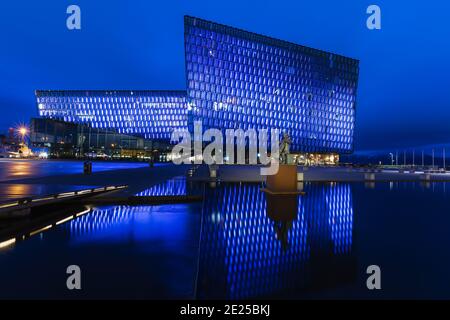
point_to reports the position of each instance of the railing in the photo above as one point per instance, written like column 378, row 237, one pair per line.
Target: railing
column 8, row 207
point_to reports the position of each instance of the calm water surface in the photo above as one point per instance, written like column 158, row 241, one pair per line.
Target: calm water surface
column 11, row 169
column 241, row 243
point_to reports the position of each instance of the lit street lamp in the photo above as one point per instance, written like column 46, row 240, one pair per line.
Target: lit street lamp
column 392, row 158
column 23, row 132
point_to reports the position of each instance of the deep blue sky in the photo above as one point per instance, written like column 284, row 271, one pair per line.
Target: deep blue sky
column 404, row 85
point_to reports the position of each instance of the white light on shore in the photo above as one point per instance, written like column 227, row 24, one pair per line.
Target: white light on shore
column 7, row 243
column 43, row 155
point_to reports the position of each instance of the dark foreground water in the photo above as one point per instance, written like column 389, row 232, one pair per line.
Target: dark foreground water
column 242, row 243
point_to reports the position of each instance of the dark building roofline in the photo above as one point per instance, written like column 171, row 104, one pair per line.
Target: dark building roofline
column 266, row 39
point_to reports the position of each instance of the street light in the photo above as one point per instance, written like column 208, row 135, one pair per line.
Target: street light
column 392, row 158
column 23, row 132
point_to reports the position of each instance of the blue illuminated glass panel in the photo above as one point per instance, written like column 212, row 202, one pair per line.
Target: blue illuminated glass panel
column 237, row 79
column 149, row 114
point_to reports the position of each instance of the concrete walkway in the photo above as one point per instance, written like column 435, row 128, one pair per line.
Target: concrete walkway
column 251, row 173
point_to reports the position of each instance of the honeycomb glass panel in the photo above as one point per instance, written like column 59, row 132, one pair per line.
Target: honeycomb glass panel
column 240, row 80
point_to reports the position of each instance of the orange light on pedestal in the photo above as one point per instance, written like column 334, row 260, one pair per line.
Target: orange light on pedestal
column 284, row 181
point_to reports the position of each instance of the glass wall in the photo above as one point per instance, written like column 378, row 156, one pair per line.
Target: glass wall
column 149, row 114
column 237, row 79
column 69, row 140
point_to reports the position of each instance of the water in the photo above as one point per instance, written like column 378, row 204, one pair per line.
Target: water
column 11, row 191
column 11, row 169
column 123, row 252
column 236, row 245
column 266, row 249
column 177, row 186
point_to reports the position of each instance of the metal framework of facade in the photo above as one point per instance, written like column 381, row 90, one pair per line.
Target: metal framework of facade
column 149, row 114
column 238, row 79
column 235, row 80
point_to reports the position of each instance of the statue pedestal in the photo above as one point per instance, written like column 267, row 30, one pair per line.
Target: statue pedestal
column 283, row 182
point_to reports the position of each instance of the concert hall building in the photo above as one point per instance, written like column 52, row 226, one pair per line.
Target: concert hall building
column 234, row 79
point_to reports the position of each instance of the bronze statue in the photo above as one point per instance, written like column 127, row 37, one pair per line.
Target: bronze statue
column 284, row 148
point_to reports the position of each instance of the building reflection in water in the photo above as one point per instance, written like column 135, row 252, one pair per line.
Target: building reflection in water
column 259, row 245
column 133, row 225
column 138, row 223
column 251, row 244
column 173, row 187
column 282, row 210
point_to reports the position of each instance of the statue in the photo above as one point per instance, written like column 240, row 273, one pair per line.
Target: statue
column 284, row 148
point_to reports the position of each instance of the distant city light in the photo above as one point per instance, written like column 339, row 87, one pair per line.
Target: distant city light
column 43, row 155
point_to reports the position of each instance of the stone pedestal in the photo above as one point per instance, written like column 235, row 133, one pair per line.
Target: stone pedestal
column 285, row 181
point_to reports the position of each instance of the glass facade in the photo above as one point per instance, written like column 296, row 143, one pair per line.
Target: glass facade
column 149, row 114
column 237, row 79
column 67, row 139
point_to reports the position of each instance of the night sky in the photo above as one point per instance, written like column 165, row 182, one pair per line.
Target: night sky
column 404, row 86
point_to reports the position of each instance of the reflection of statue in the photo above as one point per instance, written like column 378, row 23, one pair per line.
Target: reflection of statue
column 284, row 148
column 282, row 210
column 281, row 229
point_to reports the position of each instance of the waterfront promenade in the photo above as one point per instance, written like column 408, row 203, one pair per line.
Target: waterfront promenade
column 251, row 173
column 34, row 180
